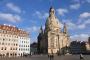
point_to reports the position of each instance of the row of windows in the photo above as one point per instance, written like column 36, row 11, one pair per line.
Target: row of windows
column 8, row 44
column 5, row 31
column 22, row 49
column 12, row 32
column 7, row 35
column 24, row 42
column 5, row 48
column 4, row 35
column 23, row 45
column 9, row 39
column 13, row 48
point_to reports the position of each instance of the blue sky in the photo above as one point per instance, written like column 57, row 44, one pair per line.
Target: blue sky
column 31, row 14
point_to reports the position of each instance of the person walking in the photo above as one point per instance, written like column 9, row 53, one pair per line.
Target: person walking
column 81, row 57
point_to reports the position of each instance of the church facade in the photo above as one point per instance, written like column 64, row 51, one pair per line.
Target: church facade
column 52, row 39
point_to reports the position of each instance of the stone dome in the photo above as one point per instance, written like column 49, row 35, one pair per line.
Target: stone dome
column 52, row 23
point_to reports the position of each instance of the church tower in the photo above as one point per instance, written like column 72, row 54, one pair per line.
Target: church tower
column 65, row 28
column 53, row 40
column 40, row 38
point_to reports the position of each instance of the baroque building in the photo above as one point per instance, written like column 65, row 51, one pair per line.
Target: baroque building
column 52, row 39
column 13, row 41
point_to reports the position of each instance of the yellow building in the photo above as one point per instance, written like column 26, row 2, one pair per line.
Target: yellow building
column 52, row 39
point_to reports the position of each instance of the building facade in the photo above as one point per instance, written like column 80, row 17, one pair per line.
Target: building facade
column 88, row 45
column 10, row 41
column 52, row 39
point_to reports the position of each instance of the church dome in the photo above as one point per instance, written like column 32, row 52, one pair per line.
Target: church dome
column 52, row 23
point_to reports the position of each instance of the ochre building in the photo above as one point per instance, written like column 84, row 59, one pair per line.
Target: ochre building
column 13, row 41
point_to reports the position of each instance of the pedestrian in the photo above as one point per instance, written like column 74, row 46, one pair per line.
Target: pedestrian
column 81, row 57
column 52, row 57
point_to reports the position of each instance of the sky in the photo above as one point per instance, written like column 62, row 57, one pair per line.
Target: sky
column 30, row 15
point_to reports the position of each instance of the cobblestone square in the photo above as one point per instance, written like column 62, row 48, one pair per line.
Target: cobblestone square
column 45, row 57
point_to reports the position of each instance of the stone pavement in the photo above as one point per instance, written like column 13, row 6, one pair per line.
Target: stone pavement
column 44, row 57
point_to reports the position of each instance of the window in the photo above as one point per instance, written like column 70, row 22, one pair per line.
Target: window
column 16, row 44
column 16, row 48
column 19, row 48
column 5, row 48
column 8, row 43
column 2, row 48
column 3, row 39
column 11, row 48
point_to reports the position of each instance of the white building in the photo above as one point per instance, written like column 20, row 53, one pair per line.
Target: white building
column 13, row 41
column 24, row 46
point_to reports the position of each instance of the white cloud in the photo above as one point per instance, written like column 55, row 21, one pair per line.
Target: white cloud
column 73, row 26
column 87, row 21
column 75, row 6
column 78, row 1
column 13, row 7
column 81, row 26
column 62, row 11
column 33, row 29
column 84, row 15
column 70, row 24
column 10, row 17
column 80, row 37
column 41, row 15
column 88, row 1
column 84, row 20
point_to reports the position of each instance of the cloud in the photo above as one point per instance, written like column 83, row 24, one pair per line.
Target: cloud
column 62, row 11
column 73, row 26
column 88, row 1
column 33, row 29
column 84, row 20
column 75, row 6
column 80, row 37
column 70, row 24
column 81, row 26
column 80, row 1
column 84, row 15
column 13, row 7
column 41, row 15
column 10, row 17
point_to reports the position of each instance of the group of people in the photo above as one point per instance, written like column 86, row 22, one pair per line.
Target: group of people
column 51, row 56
